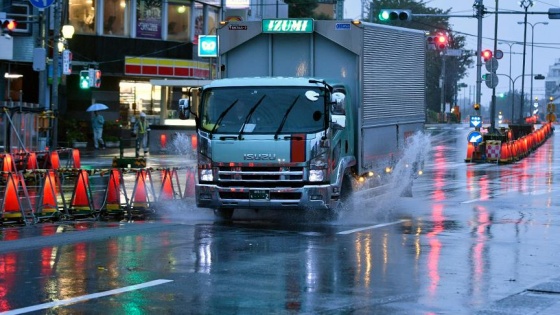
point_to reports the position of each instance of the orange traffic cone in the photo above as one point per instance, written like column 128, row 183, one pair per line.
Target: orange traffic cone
column 32, row 161
column 48, row 199
column 505, row 154
column 470, row 151
column 8, row 164
column 194, row 142
column 163, row 141
column 189, row 184
column 11, row 199
column 140, row 193
column 80, row 196
column 54, row 160
column 76, row 158
column 167, row 191
column 114, row 191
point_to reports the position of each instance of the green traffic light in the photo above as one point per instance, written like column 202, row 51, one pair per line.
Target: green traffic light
column 384, row 15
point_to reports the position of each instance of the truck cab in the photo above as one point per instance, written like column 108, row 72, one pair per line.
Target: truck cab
column 279, row 143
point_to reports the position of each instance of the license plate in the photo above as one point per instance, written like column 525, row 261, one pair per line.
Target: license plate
column 259, row 194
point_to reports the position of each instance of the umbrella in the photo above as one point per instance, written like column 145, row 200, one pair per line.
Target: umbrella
column 97, row 106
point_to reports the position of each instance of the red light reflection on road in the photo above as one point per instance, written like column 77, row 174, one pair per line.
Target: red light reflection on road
column 481, row 226
column 435, row 247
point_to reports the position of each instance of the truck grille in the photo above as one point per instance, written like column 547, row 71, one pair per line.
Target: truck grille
column 260, row 176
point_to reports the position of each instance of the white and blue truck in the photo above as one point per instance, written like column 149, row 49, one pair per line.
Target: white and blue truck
column 304, row 109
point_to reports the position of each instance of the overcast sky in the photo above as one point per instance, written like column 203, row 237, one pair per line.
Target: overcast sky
column 546, row 41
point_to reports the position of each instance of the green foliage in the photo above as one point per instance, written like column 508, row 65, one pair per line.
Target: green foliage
column 301, row 8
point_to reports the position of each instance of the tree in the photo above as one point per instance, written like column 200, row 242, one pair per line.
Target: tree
column 456, row 67
column 301, row 8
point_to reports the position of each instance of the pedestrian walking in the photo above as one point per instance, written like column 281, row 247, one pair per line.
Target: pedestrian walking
column 97, row 122
column 141, row 129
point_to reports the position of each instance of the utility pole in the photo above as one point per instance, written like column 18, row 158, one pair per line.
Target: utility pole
column 56, row 61
column 493, row 102
column 479, row 15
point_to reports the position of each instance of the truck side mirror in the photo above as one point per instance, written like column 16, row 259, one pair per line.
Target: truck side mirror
column 338, row 122
column 338, row 101
column 184, row 109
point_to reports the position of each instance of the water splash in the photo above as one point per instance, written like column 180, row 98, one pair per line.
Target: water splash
column 378, row 198
column 181, row 144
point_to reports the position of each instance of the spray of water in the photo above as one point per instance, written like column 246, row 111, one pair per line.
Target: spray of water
column 181, row 144
column 379, row 202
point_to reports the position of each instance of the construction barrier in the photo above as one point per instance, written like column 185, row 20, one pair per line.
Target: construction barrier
column 37, row 195
column 509, row 149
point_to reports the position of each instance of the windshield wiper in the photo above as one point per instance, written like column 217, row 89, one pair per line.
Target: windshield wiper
column 249, row 116
column 222, row 115
column 284, row 118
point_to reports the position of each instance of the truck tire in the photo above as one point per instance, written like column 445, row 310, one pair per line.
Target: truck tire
column 224, row 213
column 344, row 202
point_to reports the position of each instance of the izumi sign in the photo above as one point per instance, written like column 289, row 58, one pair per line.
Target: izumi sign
column 287, row 25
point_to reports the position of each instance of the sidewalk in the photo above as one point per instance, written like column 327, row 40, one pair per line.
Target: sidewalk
column 103, row 158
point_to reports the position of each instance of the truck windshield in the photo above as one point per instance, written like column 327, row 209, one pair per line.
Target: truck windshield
column 289, row 109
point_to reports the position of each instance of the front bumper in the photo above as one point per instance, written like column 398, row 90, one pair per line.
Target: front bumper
column 310, row 197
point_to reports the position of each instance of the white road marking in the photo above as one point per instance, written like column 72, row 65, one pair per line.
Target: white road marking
column 85, row 297
column 370, row 227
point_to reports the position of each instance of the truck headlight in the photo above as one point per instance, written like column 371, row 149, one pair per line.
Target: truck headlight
column 205, row 172
column 318, row 168
column 206, row 175
column 316, row 175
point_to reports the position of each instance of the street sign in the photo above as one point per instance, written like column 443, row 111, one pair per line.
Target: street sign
column 454, row 52
column 476, row 121
column 342, row 26
column 492, row 64
column 491, row 80
column 66, row 62
column 208, row 46
column 474, row 137
column 41, row 4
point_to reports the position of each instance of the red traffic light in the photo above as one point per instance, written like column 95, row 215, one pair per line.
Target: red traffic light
column 486, row 54
column 9, row 25
column 441, row 41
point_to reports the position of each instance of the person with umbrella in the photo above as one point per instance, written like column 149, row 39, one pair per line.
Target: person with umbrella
column 97, row 122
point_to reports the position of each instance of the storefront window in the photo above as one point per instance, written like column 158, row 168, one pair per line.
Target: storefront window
column 81, row 15
column 148, row 19
column 178, row 26
column 116, row 17
column 212, row 20
column 198, row 21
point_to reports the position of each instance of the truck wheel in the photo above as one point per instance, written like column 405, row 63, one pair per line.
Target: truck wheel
column 224, row 213
column 344, row 202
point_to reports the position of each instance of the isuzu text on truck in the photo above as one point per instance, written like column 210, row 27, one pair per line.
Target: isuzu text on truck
column 303, row 109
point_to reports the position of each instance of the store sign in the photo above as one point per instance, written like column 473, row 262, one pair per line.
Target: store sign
column 287, row 25
column 208, row 46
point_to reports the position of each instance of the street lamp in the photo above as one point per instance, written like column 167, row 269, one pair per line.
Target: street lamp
column 524, row 4
column 512, row 81
column 510, row 57
column 533, row 48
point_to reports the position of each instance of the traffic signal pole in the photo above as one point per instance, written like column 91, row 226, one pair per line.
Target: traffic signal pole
column 56, row 60
column 493, row 101
column 479, row 16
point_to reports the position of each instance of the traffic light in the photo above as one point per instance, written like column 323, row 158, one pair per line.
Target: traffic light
column 395, row 15
column 8, row 25
column 84, row 79
column 438, row 41
column 486, row 55
column 476, row 106
column 441, row 41
column 97, row 82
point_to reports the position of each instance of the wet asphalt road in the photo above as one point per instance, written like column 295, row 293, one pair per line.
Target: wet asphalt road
column 473, row 239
